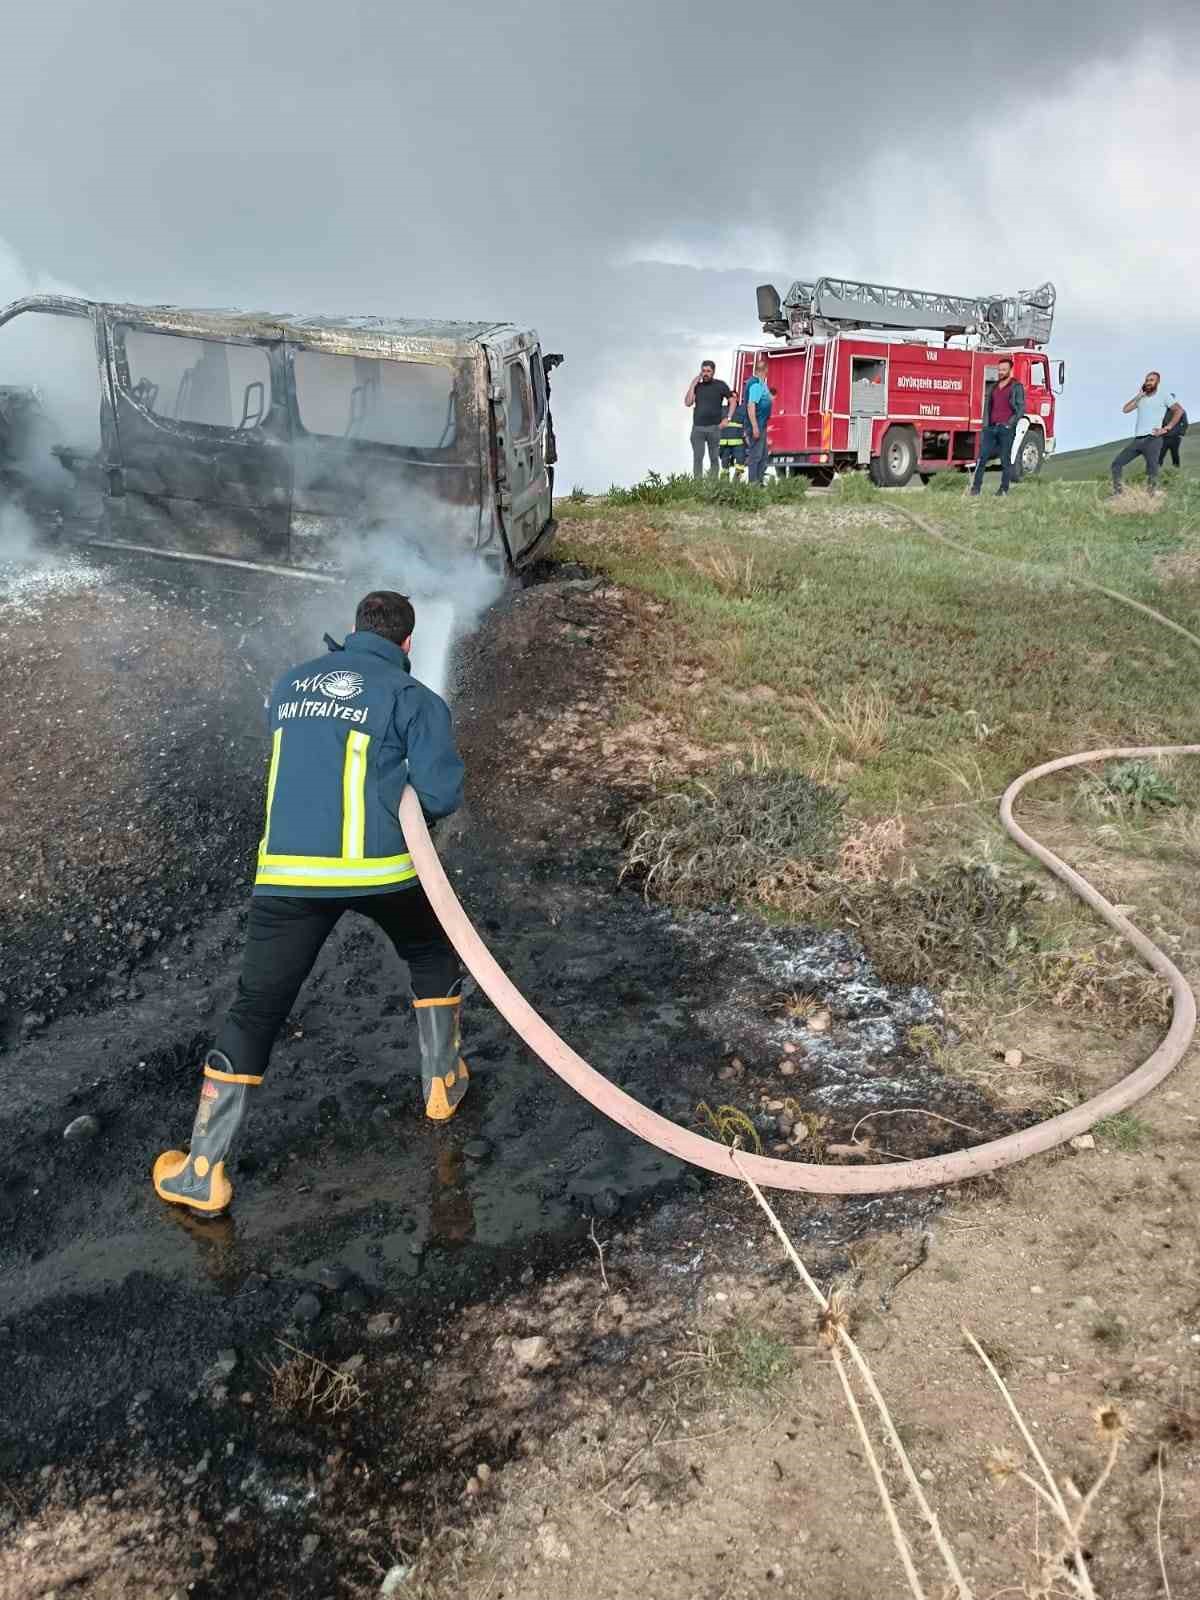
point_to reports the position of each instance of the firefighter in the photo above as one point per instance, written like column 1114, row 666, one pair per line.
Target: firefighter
column 759, row 401
column 345, row 739
column 1004, row 410
column 733, row 441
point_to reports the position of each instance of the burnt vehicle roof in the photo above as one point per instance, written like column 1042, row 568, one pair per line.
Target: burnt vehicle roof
column 360, row 335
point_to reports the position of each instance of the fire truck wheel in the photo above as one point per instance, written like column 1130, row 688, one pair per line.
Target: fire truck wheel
column 1031, row 452
column 897, row 459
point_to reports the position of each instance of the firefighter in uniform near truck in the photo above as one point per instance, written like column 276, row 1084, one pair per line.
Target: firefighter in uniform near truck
column 346, row 736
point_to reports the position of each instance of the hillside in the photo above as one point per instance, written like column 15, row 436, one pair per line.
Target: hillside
column 1071, row 466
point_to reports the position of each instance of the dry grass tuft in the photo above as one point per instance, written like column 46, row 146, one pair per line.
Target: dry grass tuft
column 1102, row 978
column 726, row 569
column 858, row 724
column 305, row 1383
column 1135, row 501
column 870, row 852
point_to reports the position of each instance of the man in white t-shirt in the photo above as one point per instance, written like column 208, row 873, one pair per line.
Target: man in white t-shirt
column 1156, row 412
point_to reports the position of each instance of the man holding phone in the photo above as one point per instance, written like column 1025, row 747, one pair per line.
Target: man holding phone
column 1156, row 411
column 708, row 398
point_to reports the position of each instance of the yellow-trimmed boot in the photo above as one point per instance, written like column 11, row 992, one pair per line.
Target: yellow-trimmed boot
column 197, row 1180
column 444, row 1075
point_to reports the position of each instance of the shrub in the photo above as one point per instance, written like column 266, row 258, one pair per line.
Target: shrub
column 682, row 489
column 721, row 839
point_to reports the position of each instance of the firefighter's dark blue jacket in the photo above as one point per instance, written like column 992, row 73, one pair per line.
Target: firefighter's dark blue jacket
column 347, row 732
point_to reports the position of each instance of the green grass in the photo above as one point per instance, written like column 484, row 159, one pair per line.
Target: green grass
column 1072, row 466
column 981, row 667
column 1124, row 1131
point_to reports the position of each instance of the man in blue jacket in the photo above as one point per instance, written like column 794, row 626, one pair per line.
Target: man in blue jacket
column 345, row 739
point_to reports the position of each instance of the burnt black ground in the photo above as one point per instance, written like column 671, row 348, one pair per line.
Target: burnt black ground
column 113, row 1309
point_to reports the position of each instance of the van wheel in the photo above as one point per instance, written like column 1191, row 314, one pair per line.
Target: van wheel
column 1031, row 453
column 897, row 459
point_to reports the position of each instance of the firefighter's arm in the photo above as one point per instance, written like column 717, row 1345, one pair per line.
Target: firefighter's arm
column 435, row 767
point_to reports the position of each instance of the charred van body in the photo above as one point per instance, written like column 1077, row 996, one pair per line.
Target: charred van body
column 277, row 439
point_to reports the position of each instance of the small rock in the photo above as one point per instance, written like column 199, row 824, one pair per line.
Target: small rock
column 380, row 1325
column 226, row 1361
column 333, row 1277
column 393, row 1578
column 618, row 1306
column 477, row 1149
column 1013, row 1058
column 534, row 1354
column 1083, row 1141
column 775, row 1573
column 789, row 1049
column 235, row 1515
column 353, row 1363
column 473, row 1488
column 307, row 1307
column 483, row 1472
column 85, row 1127
column 308, row 1546
column 1036, row 1288
column 787, row 1070
column 820, row 1022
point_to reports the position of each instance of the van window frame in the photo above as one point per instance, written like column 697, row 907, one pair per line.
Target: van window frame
column 517, row 362
column 453, row 450
column 182, row 426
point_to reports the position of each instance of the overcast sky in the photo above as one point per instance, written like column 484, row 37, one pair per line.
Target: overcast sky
column 618, row 174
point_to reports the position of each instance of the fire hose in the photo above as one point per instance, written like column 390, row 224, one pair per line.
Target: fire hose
column 808, row 1177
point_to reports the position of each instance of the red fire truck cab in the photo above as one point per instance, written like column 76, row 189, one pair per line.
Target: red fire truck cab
column 849, row 392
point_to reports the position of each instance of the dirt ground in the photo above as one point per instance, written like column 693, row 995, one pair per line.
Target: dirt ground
column 618, row 1344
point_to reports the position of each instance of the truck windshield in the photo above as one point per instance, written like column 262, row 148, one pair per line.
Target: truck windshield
column 407, row 404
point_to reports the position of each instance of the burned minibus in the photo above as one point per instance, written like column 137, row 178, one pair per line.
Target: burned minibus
column 281, row 440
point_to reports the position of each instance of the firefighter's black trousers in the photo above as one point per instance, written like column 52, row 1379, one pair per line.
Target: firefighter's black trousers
column 283, row 940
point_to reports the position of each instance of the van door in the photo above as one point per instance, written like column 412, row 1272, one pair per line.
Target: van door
column 203, row 443
column 522, row 483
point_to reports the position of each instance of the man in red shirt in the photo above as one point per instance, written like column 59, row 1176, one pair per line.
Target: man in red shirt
column 1005, row 408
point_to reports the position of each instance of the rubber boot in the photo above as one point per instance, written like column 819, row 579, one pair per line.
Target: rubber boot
column 197, row 1180
column 444, row 1076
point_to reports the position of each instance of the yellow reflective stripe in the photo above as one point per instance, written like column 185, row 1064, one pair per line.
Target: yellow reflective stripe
column 280, row 880
column 316, row 872
column 354, row 797
column 272, row 774
column 365, row 864
column 230, row 1077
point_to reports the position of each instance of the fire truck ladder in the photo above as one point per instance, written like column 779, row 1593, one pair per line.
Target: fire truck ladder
column 828, row 305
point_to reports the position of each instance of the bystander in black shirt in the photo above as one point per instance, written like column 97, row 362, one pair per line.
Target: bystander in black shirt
column 710, row 403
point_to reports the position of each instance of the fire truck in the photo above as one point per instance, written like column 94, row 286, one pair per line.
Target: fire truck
column 896, row 380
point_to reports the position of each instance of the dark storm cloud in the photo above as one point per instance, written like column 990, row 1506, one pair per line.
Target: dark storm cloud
column 385, row 150
column 473, row 160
